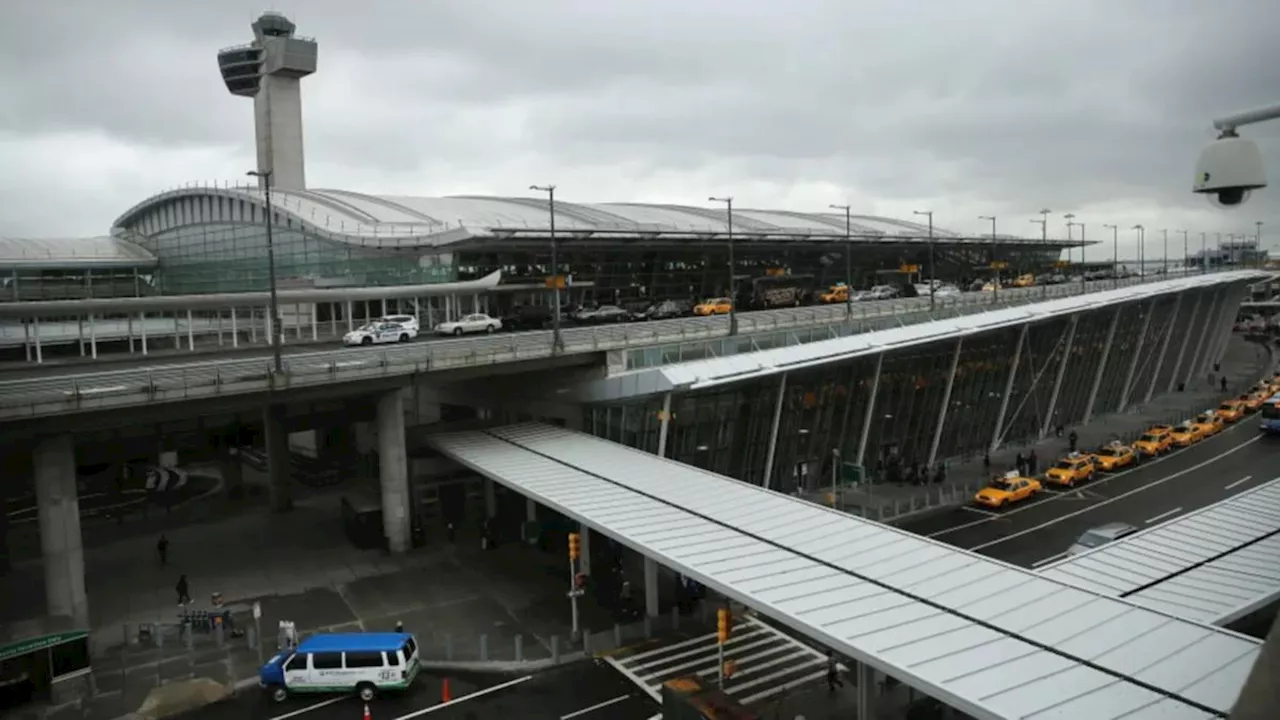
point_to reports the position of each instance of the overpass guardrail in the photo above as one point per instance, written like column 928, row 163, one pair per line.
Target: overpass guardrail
column 56, row 394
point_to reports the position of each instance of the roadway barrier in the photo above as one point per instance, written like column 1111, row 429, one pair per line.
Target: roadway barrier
column 56, row 394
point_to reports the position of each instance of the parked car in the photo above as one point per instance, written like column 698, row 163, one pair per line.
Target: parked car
column 1099, row 536
column 527, row 317
column 946, row 291
column 408, row 321
column 880, row 292
column 665, row 310
column 377, row 333
column 473, row 323
column 601, row 314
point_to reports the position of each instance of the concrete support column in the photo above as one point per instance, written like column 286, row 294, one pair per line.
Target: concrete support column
column 1186, row 340
column 59, row 512
column 1102, row 366
column 664, row 425
column 870, row 415
column 1164, row 349
column 278, row 471
column 865, row 686
column 773, row 432
column 584, row 543
column 490, row 499
column 1137, row 355
column 1057, row 381
column 946, row 404
column 232, row 474
column 393, row 471
column 650, row 587
column 998, row 434
column 530, row 510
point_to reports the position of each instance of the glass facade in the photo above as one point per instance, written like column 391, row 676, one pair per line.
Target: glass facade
column 842, row 406
column 30, row 284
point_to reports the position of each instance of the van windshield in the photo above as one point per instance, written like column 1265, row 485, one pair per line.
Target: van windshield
column 1271, row 411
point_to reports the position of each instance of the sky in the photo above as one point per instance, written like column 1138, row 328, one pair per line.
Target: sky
column 982, row 107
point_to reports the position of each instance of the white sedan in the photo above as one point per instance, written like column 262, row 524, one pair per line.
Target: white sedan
column 377, row 333
column 473, row 323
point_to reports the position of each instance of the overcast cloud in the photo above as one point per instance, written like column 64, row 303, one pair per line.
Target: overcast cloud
column 966, row 108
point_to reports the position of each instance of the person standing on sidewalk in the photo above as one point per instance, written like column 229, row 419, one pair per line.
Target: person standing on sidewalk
column 184, row 592
column 162, row 549
column 833, row 673
column 1032, row 463
column 1072, row 440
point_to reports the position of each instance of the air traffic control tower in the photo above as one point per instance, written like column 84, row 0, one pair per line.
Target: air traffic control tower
column 270, row 70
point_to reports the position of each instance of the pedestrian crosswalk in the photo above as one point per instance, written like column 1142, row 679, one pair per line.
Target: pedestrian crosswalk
column 766, row 663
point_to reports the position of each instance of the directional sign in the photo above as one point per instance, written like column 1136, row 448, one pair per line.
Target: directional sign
column 1062, row 264
column 999, row 264
column 909, row 268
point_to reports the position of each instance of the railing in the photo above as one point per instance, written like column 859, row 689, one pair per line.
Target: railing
column 71, row 393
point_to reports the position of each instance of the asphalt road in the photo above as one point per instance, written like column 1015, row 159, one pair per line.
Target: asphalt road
column 1038, row 531
column 580, row 691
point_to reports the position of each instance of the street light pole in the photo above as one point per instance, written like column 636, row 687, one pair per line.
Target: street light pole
column 1217, row 246
column 1044, row 240
column 1204, row 252
column 277, row 332
column 1084, row 277
column 1257, row 250
column 557, row 340
column 733, row 295
column 1142, row 249
column 933, row 274
column 848, row 258
column 995, row 284
column 1186, row 255
column 1165, row 231
column 1115, row 253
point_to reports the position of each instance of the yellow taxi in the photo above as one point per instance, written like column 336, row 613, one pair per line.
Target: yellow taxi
column 836, row 294
column 1071, row 469
column 1252, row 401
column 1024, row 280
column 1211, row 421
column 714, row 306
column 1230, row 411
column 1156, row 440
column 1010, row 488
column 991, row 286
column 1188, row 433
column 1113, row 456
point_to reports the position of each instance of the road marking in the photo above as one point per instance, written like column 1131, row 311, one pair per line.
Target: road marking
column 1242, row 480
column 597, row 706
column 464, row 698
column 980, row 511
column 309, row 708
column 1121, row 496
column 1049, row 559
column 1052, row 495
column 1163, row 515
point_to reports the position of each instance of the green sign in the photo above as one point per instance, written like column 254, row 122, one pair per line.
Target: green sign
column 26, row 647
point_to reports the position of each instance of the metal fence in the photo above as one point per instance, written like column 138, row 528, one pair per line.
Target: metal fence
column 58, row 394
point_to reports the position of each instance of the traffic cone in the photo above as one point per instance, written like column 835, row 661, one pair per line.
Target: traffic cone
column 445, row 695
column 367, row 716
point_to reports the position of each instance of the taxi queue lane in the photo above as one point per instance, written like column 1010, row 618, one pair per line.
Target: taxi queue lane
column 1157, row 489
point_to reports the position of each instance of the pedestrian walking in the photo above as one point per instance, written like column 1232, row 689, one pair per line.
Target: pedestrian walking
column 1224, row 383
column 1072, row 440
column 1020, row 463
column 184, row 591
column 162, row 549
column 833, row 673
column 1033, row 463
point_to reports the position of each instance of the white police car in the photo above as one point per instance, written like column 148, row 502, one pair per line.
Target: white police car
column 380, row 332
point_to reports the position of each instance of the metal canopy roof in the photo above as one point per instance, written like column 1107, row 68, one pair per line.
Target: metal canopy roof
column 987, row 638
column 1213, row 565
column 701, row 374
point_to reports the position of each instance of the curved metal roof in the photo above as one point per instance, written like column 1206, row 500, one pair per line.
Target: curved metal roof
column 57, row 253
column 393, row 220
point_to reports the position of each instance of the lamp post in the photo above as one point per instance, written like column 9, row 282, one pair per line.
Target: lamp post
column 1142, row 249
column 848, row 258
column 1044, row 240
column 995, row 280
column 277, row 332
column 1165, row 232
column 557, row 340
column 1204, row 252
column 1186, row 255
column 1084, row 277
column 733, row 296
column 1257, row 250
column 1217, row 246
column 933, row 275
column 1115, row 253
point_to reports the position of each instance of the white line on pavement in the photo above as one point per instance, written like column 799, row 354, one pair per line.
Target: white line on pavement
column 309, row 708
column 988, row 513
column 1121, row 496
column 597, row 706
column 1049, row 559
column 1051, row 496
column 1163, row 515
column 1241, row 481
column 464, row 698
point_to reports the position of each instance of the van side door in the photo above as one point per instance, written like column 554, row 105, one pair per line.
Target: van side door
column 297, row 671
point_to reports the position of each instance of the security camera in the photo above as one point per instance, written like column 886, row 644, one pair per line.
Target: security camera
column 1229, row 169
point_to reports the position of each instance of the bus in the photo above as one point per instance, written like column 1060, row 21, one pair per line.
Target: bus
column 1271, row 415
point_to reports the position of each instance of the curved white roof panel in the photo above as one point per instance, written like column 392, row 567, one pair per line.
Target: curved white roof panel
column 390, row 221
column 1213, row 565
column 53, row 253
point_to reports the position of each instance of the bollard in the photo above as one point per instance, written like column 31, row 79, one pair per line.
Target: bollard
column 555, row 649
column 519, row 648
column 191, row 637
column 219, row 634
column 586, row 643
column 617, row 635
column 251, row 637
column 648, row 628
column 675, row 618
column 448, row 647
column 484, row 647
